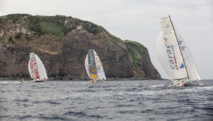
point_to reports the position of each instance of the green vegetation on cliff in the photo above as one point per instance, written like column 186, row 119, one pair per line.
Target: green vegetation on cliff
column 136, row 50
column 51, row 25
column 56, row 25
column 93, row 28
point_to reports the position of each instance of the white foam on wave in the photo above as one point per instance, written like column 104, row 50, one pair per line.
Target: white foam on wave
column 154, row 92
column 161, row 85
column 143, row 92
column 205, row 88
column 196, row 89
column 171, row 91
column 112, row 94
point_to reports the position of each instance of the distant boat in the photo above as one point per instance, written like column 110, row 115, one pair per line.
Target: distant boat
column 94, row 67
column 175, row 57
column 36, row 68
column 21, row 80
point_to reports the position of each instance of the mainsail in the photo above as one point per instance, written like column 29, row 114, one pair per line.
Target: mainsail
column 93, row 66
column 173, row 53
column 189, row 62
column 36, row 68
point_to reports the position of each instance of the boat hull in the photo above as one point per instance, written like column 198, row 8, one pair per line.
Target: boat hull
column 21, row 81
column 191, row 84
column 186, row 83
column 39, row 81
column 42, row 80
column 96, row 81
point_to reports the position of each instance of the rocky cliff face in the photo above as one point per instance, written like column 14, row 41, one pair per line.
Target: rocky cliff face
column 62, row 43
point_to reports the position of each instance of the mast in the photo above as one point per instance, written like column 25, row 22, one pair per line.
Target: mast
column 179, row 46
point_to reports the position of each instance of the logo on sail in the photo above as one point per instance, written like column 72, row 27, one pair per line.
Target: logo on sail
column 182, row 65
column 182, row 47
column 167, row 26
column 180, row 42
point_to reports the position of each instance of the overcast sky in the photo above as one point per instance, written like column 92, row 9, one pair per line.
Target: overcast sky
column 136, row 20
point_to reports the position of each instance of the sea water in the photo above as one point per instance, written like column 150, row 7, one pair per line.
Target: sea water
column 109, row 101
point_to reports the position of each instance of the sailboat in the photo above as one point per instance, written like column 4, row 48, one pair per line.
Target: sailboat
column 36, row 68
column 94, row 67
column 174, row 55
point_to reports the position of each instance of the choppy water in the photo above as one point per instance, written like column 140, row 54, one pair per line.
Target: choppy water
column 109, row 101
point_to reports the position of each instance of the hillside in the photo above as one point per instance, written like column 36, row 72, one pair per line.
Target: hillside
column 62, row 43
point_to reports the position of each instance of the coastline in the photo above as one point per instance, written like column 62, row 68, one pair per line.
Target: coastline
column 85, row 79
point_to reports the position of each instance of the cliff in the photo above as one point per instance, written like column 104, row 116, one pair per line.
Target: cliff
column 62, row 42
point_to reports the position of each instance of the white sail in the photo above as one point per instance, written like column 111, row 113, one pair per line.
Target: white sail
column 36, row 67
column 86, row 65
column 189, row 62
column 32, row 67
column 41, row 69
column 99, row 67
column 161, row 52
column 30, row 71
column 174, row 55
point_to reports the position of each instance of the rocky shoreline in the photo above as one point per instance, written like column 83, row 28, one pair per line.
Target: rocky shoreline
column 78, row 79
